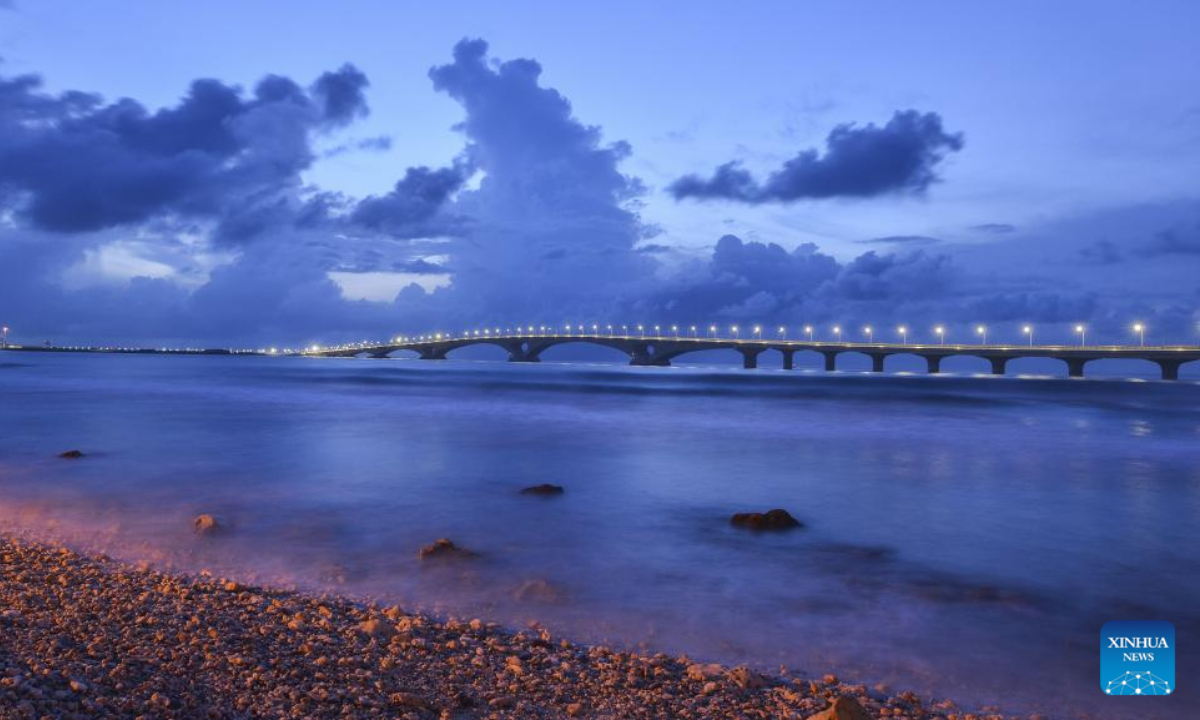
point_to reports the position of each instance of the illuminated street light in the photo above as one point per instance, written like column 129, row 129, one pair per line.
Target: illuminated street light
column 867, row 331
column 782, row 333
column 735, row 332
column 981, row 331
column 712, row 331
column 692, row 331
column 837, row 332
column 610, row 330
column 808, row 330
column 675, row 329
column 595, row 329
column 4, row 336
column 657, row 332
column 1028, row 330
column 758, row 332
column 1140, row 329
column 903, row 334
column 625, row 331
column 641, row 331
column 1082, row 330
column 941, row 333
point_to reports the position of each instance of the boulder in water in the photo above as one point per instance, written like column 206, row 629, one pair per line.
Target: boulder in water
column 206, row 524
column 545, row 490
column 444, row 549
column 776, row 519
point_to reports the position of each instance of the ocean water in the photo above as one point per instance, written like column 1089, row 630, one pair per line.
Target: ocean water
column 965, row 536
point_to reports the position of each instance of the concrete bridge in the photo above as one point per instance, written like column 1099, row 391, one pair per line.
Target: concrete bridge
column 660, row 350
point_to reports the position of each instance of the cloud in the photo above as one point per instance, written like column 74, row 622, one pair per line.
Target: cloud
column 1100, row 252
column 995, row 228
column 859, row 162
column 72, row 163
column 413, row 202
column 900, row 240
column 1175, row 241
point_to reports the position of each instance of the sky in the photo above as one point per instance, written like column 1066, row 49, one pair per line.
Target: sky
column 270, row 173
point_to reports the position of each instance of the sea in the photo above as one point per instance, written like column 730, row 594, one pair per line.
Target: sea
column 964, row 536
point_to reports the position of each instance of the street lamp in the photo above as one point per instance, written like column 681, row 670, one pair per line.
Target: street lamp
column 782, row 333
column 981, row 331
column 692, row 331
column 675, row 329
column 734, row 330
column 656, row 332
column 4, row 336
column 941, row 333
column 610, row 330
column 1082, row 330
column 903, row 335
column 758, row 332
column 642, row 330
column 867, row 331
column 712, row 331
column 1140, row 329
column 624, row 331
column 808, row 329
column 837, row 331
column 1028, row 330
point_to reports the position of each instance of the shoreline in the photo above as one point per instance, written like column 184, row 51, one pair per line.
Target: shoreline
column 91, row 637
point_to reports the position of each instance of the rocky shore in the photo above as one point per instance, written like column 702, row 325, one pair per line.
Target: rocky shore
column 90, row 637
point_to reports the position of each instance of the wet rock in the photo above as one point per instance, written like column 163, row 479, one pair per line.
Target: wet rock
column 444, row 549
column 545, row 490
column 206, row 524
column 71, row 454
column 378, row 629
column 701, row 671
column 539, row 590
column 843, row 708
column 746, row 678
column 776, row 519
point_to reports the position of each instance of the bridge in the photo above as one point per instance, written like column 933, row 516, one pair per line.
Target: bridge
column 659, row 350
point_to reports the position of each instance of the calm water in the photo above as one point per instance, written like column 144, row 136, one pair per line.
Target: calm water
column 966, row 536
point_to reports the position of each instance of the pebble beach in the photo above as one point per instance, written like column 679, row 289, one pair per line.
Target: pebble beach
column 91, row 637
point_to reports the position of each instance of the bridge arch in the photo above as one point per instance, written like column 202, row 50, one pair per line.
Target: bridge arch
column 584, row 349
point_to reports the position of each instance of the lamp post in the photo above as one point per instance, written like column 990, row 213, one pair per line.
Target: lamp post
column 675, row 330
column 903, row 335
column 610, row 330
column 641, row 330
column 941, row 333
column 692, row 331
column 867, row 331
column 1140, row 329
column 712, row 331
column 837, row 332
column 782, row 333
column 1028, row 330
column 734, row 331
column 758, row 332
column 808, row 330
column 4, row 336
column 981, row 331
column 1082, row 330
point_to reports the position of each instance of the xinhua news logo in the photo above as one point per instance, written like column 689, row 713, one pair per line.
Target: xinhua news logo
column 1137, row 658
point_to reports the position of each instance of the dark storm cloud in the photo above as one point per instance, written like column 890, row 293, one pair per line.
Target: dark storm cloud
column 412, row 203
column 1175, row 241
column 859, row 162
column 72, row 163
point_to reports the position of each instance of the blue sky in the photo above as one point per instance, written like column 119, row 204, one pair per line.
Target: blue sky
column 1071, row 195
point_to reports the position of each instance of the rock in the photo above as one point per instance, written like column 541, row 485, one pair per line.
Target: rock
column 206, row 524
column 574, row 709
column 444, row 549
column 376, row 628
column 71, row 454
column 746, row 678
column 545, row 489
column 776, row 519
column 409, row 700
column 843, row 708
column 699, row 671
column 538, row 590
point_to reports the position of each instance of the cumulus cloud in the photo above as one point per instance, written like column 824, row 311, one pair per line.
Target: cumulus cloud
column 859, row 162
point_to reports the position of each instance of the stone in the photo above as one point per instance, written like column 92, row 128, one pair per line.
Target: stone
column 776, row 519
column 545, row 490
column 746, row 678
column 376, row 628
column 206, row 524
column 71, row 454
column 700, row 671
column 843, row 708
column 444, row 549
column 539, row 590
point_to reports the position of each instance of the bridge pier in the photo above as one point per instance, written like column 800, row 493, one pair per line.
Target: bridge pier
column 1075, row 366
column 830, row 361
column 877, row 363
column 789, row 359
column 749, row 358
column 1170, row 368
column 933, row 364
column 998, row 364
